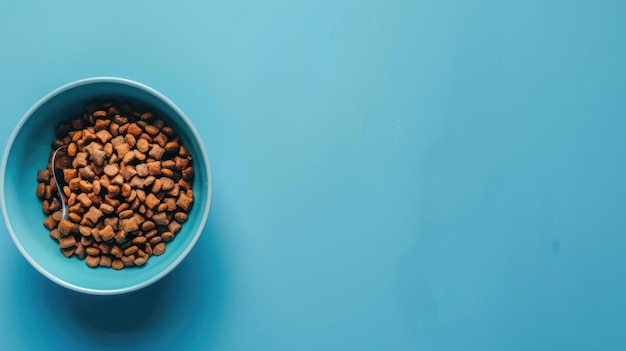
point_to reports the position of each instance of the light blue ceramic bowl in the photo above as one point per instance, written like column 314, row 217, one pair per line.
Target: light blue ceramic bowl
column 28, row 150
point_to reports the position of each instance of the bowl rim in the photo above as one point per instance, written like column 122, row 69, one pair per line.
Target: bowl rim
column 194, row 134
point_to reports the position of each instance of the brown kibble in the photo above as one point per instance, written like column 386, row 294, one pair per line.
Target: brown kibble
column 160, row 139
column 151, row 234
column 123, row 207
column 140, row 261
column 183, row 184
column 120, row 237
column 143, row 145
column 184, row 202
column 74, row 217
column 181, row 217
column 128, row 260
column 84, row 230
column 147, row 226
column 86, row 240
column 160, row 219
column 112, row 221
column 149, row 181
column 101, row 124
column 106, row 208
column 118, row 180
column 68, row 252
column 67, row 242
column 57, row 216
column 126, row 214
column 147, row 116
column 156, row 152
column 100, row 114
column 140, row 240
column 55, row 234
column 87, row 173
column 171, row 148
column 69, row 174
column 74, row 184
column 187, row 173
column 93, row 215
column 139, row 155
column 158, row 249
column 156, row 187
column 159, row 123
column 130, row 140
column 111, row 170
column 169, row 164
column 167, row 184
column 41, row 190
column 95, row 233
column 166, row 172
column 105, row 261
column 126, row 189
column 131, row 250
column 136, row 182
column 84, row 199
column 104, row 136
column 167, row 237
column 174, row 227
column 65, row 227
column 134, row 129
column 142, row 170
column 121, row 150
column 155, row 240
column 92, row 261
column 182, row 151
column 108, row 149
column 117, row 251
column 43, row 176
column 118, row 140
column 92, row 251
column 72, row 150
column 107, row 233
column 152, row 201
column 129, row 224
column 113, row 190
column 162, row 207
column 148, row 249
column 85, row 186
column 117, row 264
column 45, row 205
column 128, row 171
column 128, row 158
column 80, row 251
column 151, row 130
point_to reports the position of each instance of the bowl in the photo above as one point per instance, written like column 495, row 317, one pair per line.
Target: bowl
column 28, row 150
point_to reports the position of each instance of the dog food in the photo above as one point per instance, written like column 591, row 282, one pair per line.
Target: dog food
column 127, row 181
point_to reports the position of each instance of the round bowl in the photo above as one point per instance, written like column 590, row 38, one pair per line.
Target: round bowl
column 28, row 150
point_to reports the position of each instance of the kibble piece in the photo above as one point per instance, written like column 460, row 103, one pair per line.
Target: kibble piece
column 122, row 149
column 131, row 250
column 167, row 184
column 184, row 202
column 120, row 237
column 118, row 180
column 131, row 140
column 160, row 219
column 126, row 214
column 105, row 261
column 92, row 251
column 128, row 260
column 86, row 240
column 107, row 233
column 171, row 148
column 175, row 191
column 156, row 152
column 142, row 170
column 116, row 251
column 106, row 208
column 151, row 130
column 140, row 240
column 68, row 252
column 154, row 168
column 126, row 190
column 174, row 227
column 129, row 225
column 166, row 172
column 83, row 198
column 74, row 217
column 93, row 215
column 155, row 240
column 104, row 248
column 67, row 242
column 92, row 261
column 101, row 124
column 129, row 157
column 160, row 139
column 111, row 170
column 55, row 234
column 167, row 237
column 104, row 136
column 117, row 264
column 158, row 249
column 113, row 190
column 140, row 261
column 41, row 190
column 65, row 226
column 123, row 207
column 152, row 201
column 181, row 217
column 84, row 230
column 80, row 251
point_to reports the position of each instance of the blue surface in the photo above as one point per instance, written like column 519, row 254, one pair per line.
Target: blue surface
column 417, row 175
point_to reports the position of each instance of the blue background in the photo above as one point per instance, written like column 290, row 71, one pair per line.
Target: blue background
column 388, row 175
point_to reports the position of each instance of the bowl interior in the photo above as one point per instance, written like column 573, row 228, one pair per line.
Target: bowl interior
column 29, row 152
